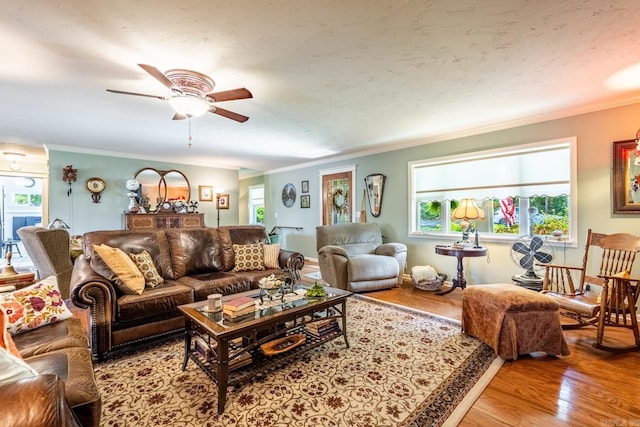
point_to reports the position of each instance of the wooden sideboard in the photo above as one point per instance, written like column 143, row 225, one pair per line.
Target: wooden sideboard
column 163, row 221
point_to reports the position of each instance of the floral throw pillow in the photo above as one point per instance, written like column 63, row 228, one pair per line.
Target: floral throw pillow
column 249, row 257
column 34, row 306
column 145, row 264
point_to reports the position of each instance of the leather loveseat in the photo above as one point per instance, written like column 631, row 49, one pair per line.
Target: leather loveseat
column 64, row 393
column 193, row 262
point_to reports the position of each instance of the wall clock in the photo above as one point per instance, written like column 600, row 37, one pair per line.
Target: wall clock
column 69, row 175
column 166, row 207
column 96, row 186
column 288, row 195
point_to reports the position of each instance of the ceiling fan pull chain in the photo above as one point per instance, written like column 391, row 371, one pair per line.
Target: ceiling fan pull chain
column 189, row 120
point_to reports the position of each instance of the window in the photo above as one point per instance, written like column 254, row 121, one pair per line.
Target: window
column 528, row 189
column 256, row 204
column 27, row 199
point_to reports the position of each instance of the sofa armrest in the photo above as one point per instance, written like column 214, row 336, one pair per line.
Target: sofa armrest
column 333, row 250
column 91, row 290
column 399, row 252
column 334, row 261
column 391, row 249
column 36, row 402
column 292, row 261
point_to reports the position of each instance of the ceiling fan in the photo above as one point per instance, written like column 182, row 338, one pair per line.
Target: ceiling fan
column 191, row 93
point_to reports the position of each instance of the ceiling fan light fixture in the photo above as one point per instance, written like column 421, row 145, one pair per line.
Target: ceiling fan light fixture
column 189, row 105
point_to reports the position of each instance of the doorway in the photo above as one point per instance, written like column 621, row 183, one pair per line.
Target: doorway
column 21, row 204
column 337, row 195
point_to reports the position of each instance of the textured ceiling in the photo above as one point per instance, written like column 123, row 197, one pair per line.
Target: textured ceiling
column 328, row 77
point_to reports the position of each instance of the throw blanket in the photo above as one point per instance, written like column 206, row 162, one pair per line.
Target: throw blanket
column 420, row 273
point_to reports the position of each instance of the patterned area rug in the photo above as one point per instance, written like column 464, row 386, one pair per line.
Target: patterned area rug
column 403, row 368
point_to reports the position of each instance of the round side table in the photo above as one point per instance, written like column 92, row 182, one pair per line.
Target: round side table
column 459, row 253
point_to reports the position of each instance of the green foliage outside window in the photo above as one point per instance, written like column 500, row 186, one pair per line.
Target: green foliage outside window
column 260, row 214
column 21, row 199
column 553, row 215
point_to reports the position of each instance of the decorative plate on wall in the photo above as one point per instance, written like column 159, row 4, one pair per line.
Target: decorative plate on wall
column 288, row 195
column 95, row 185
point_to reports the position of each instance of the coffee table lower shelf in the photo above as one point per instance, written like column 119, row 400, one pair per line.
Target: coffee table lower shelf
column 261, row 364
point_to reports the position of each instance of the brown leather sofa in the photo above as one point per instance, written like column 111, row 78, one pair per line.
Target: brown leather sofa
column 193, row 262
column 65, row 392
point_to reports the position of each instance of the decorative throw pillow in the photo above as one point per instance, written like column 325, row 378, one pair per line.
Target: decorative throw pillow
column 145, row 264
column 249, row 257
column 13, row 368
column 271, row 255
column 34, row 306
column 113, row 264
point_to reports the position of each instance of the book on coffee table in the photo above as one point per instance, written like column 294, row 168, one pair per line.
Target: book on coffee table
column 238, row 304
column 238, row 313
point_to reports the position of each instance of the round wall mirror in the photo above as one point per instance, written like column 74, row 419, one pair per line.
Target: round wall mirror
column 157, row 186
column 175, row 186
column 149, row 180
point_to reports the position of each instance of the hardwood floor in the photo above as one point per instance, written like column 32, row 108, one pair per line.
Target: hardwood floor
column 587, row 388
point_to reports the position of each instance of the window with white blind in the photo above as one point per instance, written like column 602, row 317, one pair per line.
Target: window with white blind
column 527, row 189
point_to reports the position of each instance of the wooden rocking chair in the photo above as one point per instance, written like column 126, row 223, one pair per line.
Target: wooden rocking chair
column 616, row 305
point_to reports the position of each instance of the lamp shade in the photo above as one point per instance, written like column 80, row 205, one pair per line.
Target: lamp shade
column 466, row 210
column 58, row 223
column 132, row 185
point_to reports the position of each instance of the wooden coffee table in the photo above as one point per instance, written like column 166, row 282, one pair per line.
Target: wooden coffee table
column 232, row 341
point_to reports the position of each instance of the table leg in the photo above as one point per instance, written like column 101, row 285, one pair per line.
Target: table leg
column 458, row 282
column 344, row 323
column 187, row 344
column 223, row 374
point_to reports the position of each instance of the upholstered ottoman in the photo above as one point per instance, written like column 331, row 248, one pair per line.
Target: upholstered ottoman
column 513, row 320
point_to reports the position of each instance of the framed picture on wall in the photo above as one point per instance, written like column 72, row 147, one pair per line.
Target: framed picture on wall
column 626, row 177
column 304, row 201
column 223, row 201
column 305, row 186
column 205, row 193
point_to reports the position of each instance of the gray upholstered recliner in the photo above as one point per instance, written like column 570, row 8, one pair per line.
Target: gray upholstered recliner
column 353, row 257
column 49, row 252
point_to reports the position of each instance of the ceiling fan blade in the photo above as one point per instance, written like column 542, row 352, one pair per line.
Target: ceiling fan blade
column 164, row 98
column 229, row 114
column 178, row 116
column 158, row 75
column 230, row 95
